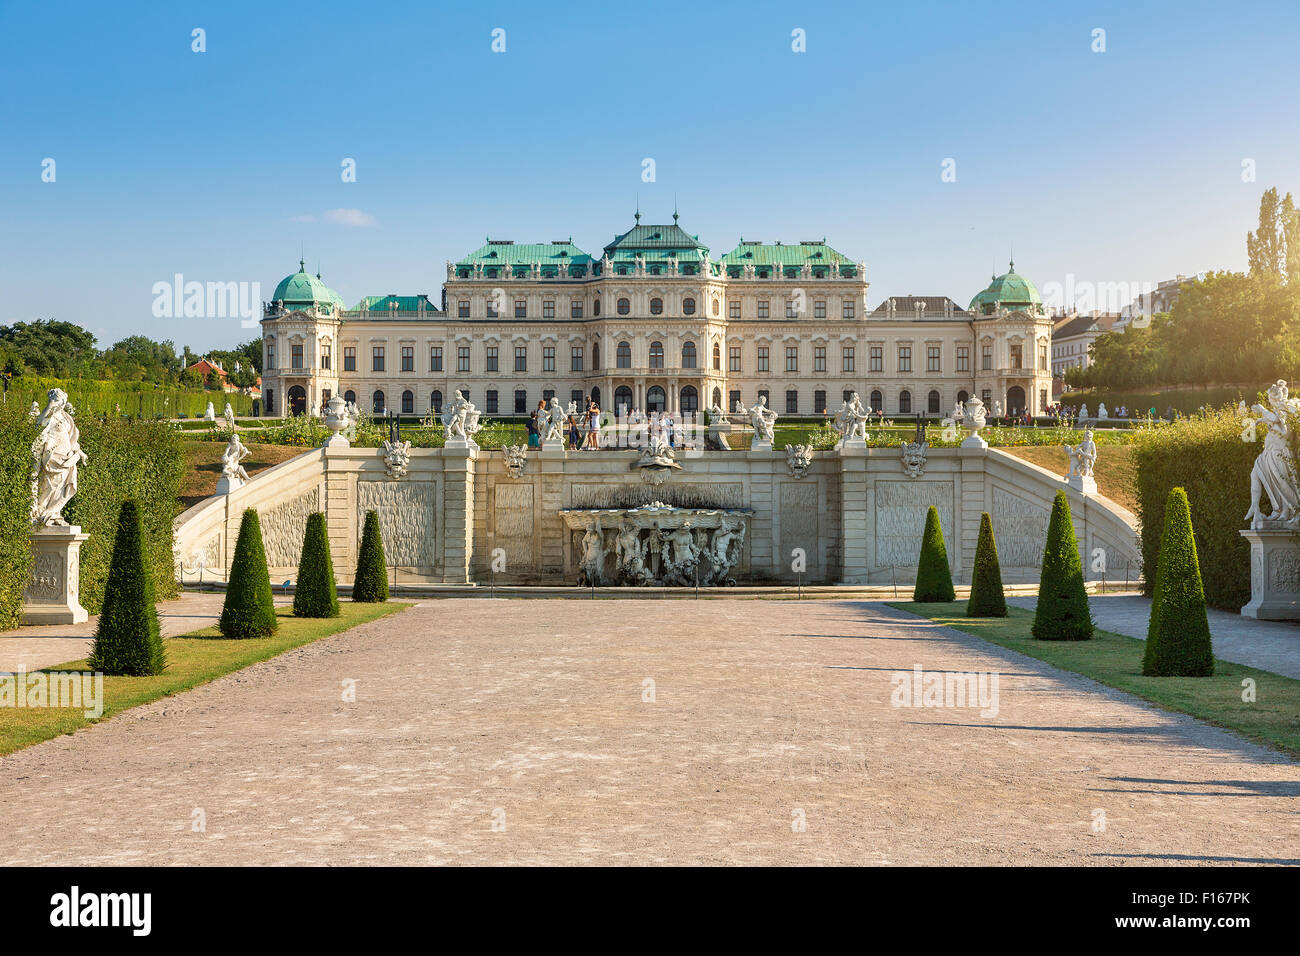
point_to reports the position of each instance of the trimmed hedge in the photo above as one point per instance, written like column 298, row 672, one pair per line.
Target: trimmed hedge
column 140, row 460
column 370, row 584
column 986, row 596
column 1206, row 456
column 249, row 610
column 1062, row 612
column 933, row 578
column 128, row 637
column 316, row 594
column 17, row 433
column 1178, row 634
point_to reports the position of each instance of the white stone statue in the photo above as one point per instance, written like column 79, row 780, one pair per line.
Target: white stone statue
column 56, row 453
column 1274, row 470
column 1082, row 456
column 1083, row 413
column 572, row 409
column 851, row 420
column 724, row 552
column 460, row 419
column 763, row 420
column 681, row 555
column 229, row 416
column 957, row 411
column 997, row 408
column 592, row 564
column 716, row 413
column 516, row 457
column 1101, row 411
column 397, row 458
column 629, row 553
column 799, row 459
column 914, row 458
column 210, row 415
column 233, row 474
column 34, row 412
column 553, row 427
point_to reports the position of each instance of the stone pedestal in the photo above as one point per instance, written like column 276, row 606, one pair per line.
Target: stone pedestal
column 553, row 449
column 1274, row 575
column 460, row 442
column 226, row 485
column 974, row 441
column 1086, row 485
column 52, row 590
column 760, row 445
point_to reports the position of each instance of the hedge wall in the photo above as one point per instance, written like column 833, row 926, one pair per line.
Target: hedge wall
column 99, row 397
column 16, row 435
column 1206, row 455
column 128, row 459
column 1186, row 400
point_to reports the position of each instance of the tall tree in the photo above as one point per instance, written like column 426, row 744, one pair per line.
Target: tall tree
column 1274, row 247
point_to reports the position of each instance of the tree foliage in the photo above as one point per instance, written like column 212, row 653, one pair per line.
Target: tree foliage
column 1178, row 634
column 315, row 594
column 128, row 638
column 933, row 577
column 249, row 610
column 370, row 584
column 986, row 596
column 1062, row 612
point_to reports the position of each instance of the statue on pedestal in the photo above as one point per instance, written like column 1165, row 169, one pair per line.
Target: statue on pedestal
column 1082, row 456
column 763, row 420
column 233, row 474
column 1274, row 471
column 851, row 420
column 56, row 453
column 461, row 419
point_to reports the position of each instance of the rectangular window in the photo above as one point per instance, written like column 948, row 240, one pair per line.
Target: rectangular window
column 547, row 395
column 733, row 399
column 462, row 309
column 877, row 358
column 490, row 401
column 491, row 308
column 548, row 358
column 408, row 358
column 987, row 358
column 270, row 363
column 349, row 358
column 905, row 358
column 377, row 358
column 792, row 402
column 848, row 309
column 492, row 359
column 462, row 358
column 1042, row 400
column 521, row 308
column 575, row 358
column 762, row 358
column 792, row 358
column 1017, row 356
column 521, row 402
column 819, row 309
column 987, row 397
column 521, row 358
column 548, row 309
column 324, row 356
column 733, row 358
column 819, row 402
column 791, row 312
column 932, row 360
column 295, row 356
column 1042, row 357
column 819, row 358
column 435, row 358
column 849, row 359
column 575, row 309
column 766, row 396
column 963, row 358
column 733, row 308
column 763, row 306
column 575, row 396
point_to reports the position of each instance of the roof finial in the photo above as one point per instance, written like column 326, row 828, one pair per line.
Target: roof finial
column 674, row 207
column 637, row 217
column 1013, row 257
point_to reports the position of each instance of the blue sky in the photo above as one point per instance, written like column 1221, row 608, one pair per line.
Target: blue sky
column 1122, row 166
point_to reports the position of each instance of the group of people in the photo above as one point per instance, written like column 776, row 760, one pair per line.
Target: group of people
column 583, row 428
column 579, row 428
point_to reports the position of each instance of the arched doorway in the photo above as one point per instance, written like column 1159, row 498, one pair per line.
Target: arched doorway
column 408, row 402
column 435, row 401
column 655, row 399
column 963, row 396
column 690, row 400
column 932, row 403
column 350, row 397
column 378, row 404
column 622, row 400
column 1015, row 400
column 877, row 401
column 297, row 400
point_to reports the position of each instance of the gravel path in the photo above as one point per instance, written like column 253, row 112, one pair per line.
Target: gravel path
column 513, row 731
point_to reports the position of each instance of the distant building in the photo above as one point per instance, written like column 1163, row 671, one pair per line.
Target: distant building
column 1160, row 299
column 1072, row 338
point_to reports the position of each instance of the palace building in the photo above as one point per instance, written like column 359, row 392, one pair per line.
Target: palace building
column 654, row 322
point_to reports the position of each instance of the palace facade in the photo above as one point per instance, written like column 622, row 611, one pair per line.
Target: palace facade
column 655, row 323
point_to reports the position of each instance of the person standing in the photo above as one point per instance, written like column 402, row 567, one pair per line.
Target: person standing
column 533, row 434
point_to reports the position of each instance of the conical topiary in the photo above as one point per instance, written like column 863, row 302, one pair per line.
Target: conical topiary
column 986, row 597
column 316, row 595
column 128, row 640
column 933, row 579
column 249, row 610
column 1062, row 613
column 371, row 581
column 1178, row 635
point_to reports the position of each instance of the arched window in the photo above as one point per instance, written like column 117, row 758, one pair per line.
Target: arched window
column 622, row 400
column 717, row 305
column 350, row 397
column 688, row 355
column 717, row 398
column 435, row 401
column 963, row 396
column 378, row 404
column 717, row 357
column 595, row 395
column 904, row 402
column 623, row 355
column 690, row 399
column 932, row 403
column 655, row 399
column 624, row 306
column 877, row 401
column 595, row 356
column 656, row 306
column 688, row 306
column 656, row 355
column 297, row 400
column 408, row 402
column 595, row 306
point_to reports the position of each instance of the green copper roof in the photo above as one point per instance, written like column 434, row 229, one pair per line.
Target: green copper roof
column 1011, row 290
column 790, row 258
column 302, row 289
column 395, row 303
column 518, row 257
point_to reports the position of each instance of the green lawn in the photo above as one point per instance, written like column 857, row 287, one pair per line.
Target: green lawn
column 1116, row 661
column 192, row 659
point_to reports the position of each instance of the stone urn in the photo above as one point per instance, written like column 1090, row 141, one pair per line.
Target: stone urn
column 971, row 422
column 336, row 419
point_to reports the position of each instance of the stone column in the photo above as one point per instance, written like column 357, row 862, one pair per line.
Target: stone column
column 52, row 595
column 458, row 512
column 854, row 559
column 1274, row 575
